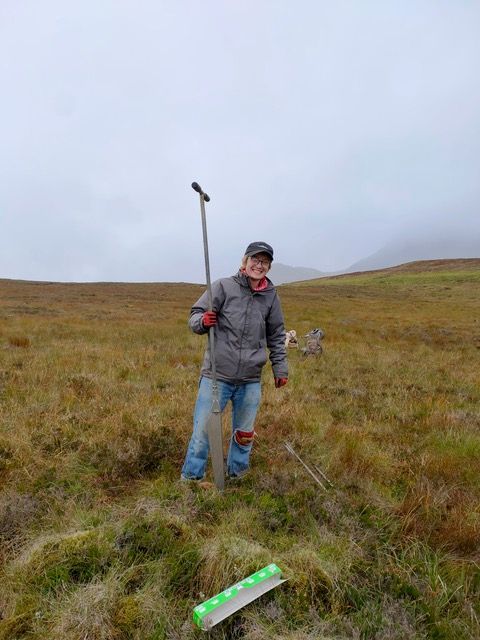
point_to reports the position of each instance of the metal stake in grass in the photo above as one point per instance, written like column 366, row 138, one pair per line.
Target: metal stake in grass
column 213, row 611
column 318, row 470
column 214, row 422
column 290, row 449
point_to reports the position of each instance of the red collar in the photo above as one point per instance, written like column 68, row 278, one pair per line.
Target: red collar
column 263, row 284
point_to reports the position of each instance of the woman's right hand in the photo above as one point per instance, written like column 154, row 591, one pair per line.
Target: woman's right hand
column 209, row 319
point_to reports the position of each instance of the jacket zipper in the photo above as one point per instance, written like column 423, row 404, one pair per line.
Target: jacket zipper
column 243, row 332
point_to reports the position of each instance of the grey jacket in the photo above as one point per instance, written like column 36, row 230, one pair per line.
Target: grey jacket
column 247, row 323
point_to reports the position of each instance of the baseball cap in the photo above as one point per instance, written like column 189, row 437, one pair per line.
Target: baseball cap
column 259, row 247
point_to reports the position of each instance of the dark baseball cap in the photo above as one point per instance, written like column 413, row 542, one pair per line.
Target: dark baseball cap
column 259, row 247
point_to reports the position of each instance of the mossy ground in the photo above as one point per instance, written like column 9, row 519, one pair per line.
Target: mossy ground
column 100, row 540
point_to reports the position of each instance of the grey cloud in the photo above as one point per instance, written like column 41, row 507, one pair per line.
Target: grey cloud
column 323, row 128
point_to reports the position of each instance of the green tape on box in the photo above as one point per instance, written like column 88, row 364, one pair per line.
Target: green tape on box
column 213, row 611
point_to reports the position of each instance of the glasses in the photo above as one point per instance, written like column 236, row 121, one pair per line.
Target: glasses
column 265, row 262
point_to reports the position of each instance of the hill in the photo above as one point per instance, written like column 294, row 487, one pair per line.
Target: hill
column 432, row 267
column 283, row 273
column 98, row 537
column 431, row 246
column 421, row 266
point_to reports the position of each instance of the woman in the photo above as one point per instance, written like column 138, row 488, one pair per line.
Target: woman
column 248, row 318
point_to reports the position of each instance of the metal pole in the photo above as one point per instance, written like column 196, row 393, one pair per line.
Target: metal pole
column 214, row 422
column 211, row 331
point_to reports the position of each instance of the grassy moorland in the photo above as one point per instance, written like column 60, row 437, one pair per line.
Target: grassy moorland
column 100, row 541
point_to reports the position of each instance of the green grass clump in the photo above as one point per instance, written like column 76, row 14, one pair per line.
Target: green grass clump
column 72, row 558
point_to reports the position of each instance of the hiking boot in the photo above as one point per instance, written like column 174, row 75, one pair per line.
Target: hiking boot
column 239, row 476
column 185, row 479
column 198, row 482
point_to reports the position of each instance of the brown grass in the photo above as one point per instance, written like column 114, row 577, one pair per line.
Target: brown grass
column 97, row 386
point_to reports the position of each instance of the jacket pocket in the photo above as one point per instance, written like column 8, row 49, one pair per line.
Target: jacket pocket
column 261, row 354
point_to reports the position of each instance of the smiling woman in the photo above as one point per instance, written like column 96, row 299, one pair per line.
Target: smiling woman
column 256, row 266
column 247, row 319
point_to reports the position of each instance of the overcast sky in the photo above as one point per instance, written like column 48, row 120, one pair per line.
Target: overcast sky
column 325, row 128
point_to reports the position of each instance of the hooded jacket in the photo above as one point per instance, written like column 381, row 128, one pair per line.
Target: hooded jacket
column 248, row 322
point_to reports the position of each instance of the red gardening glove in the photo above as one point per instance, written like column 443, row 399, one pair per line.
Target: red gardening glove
column 280, row 382
column 209, row 319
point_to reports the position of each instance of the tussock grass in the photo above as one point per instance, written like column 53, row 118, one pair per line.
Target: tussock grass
column 99, row 539
column 90, row 613
column 19, row 341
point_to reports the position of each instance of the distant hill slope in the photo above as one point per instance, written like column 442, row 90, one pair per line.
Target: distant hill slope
column 283, row 273
column 417, row 266
column 420, row 249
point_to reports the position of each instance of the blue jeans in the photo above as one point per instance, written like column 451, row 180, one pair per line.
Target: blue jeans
column 245, row 400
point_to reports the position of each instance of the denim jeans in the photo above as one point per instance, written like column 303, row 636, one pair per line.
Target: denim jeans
column 245, row 399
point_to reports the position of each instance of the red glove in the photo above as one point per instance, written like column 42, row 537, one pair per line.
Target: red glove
column 209, row 319
column 280, row 382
